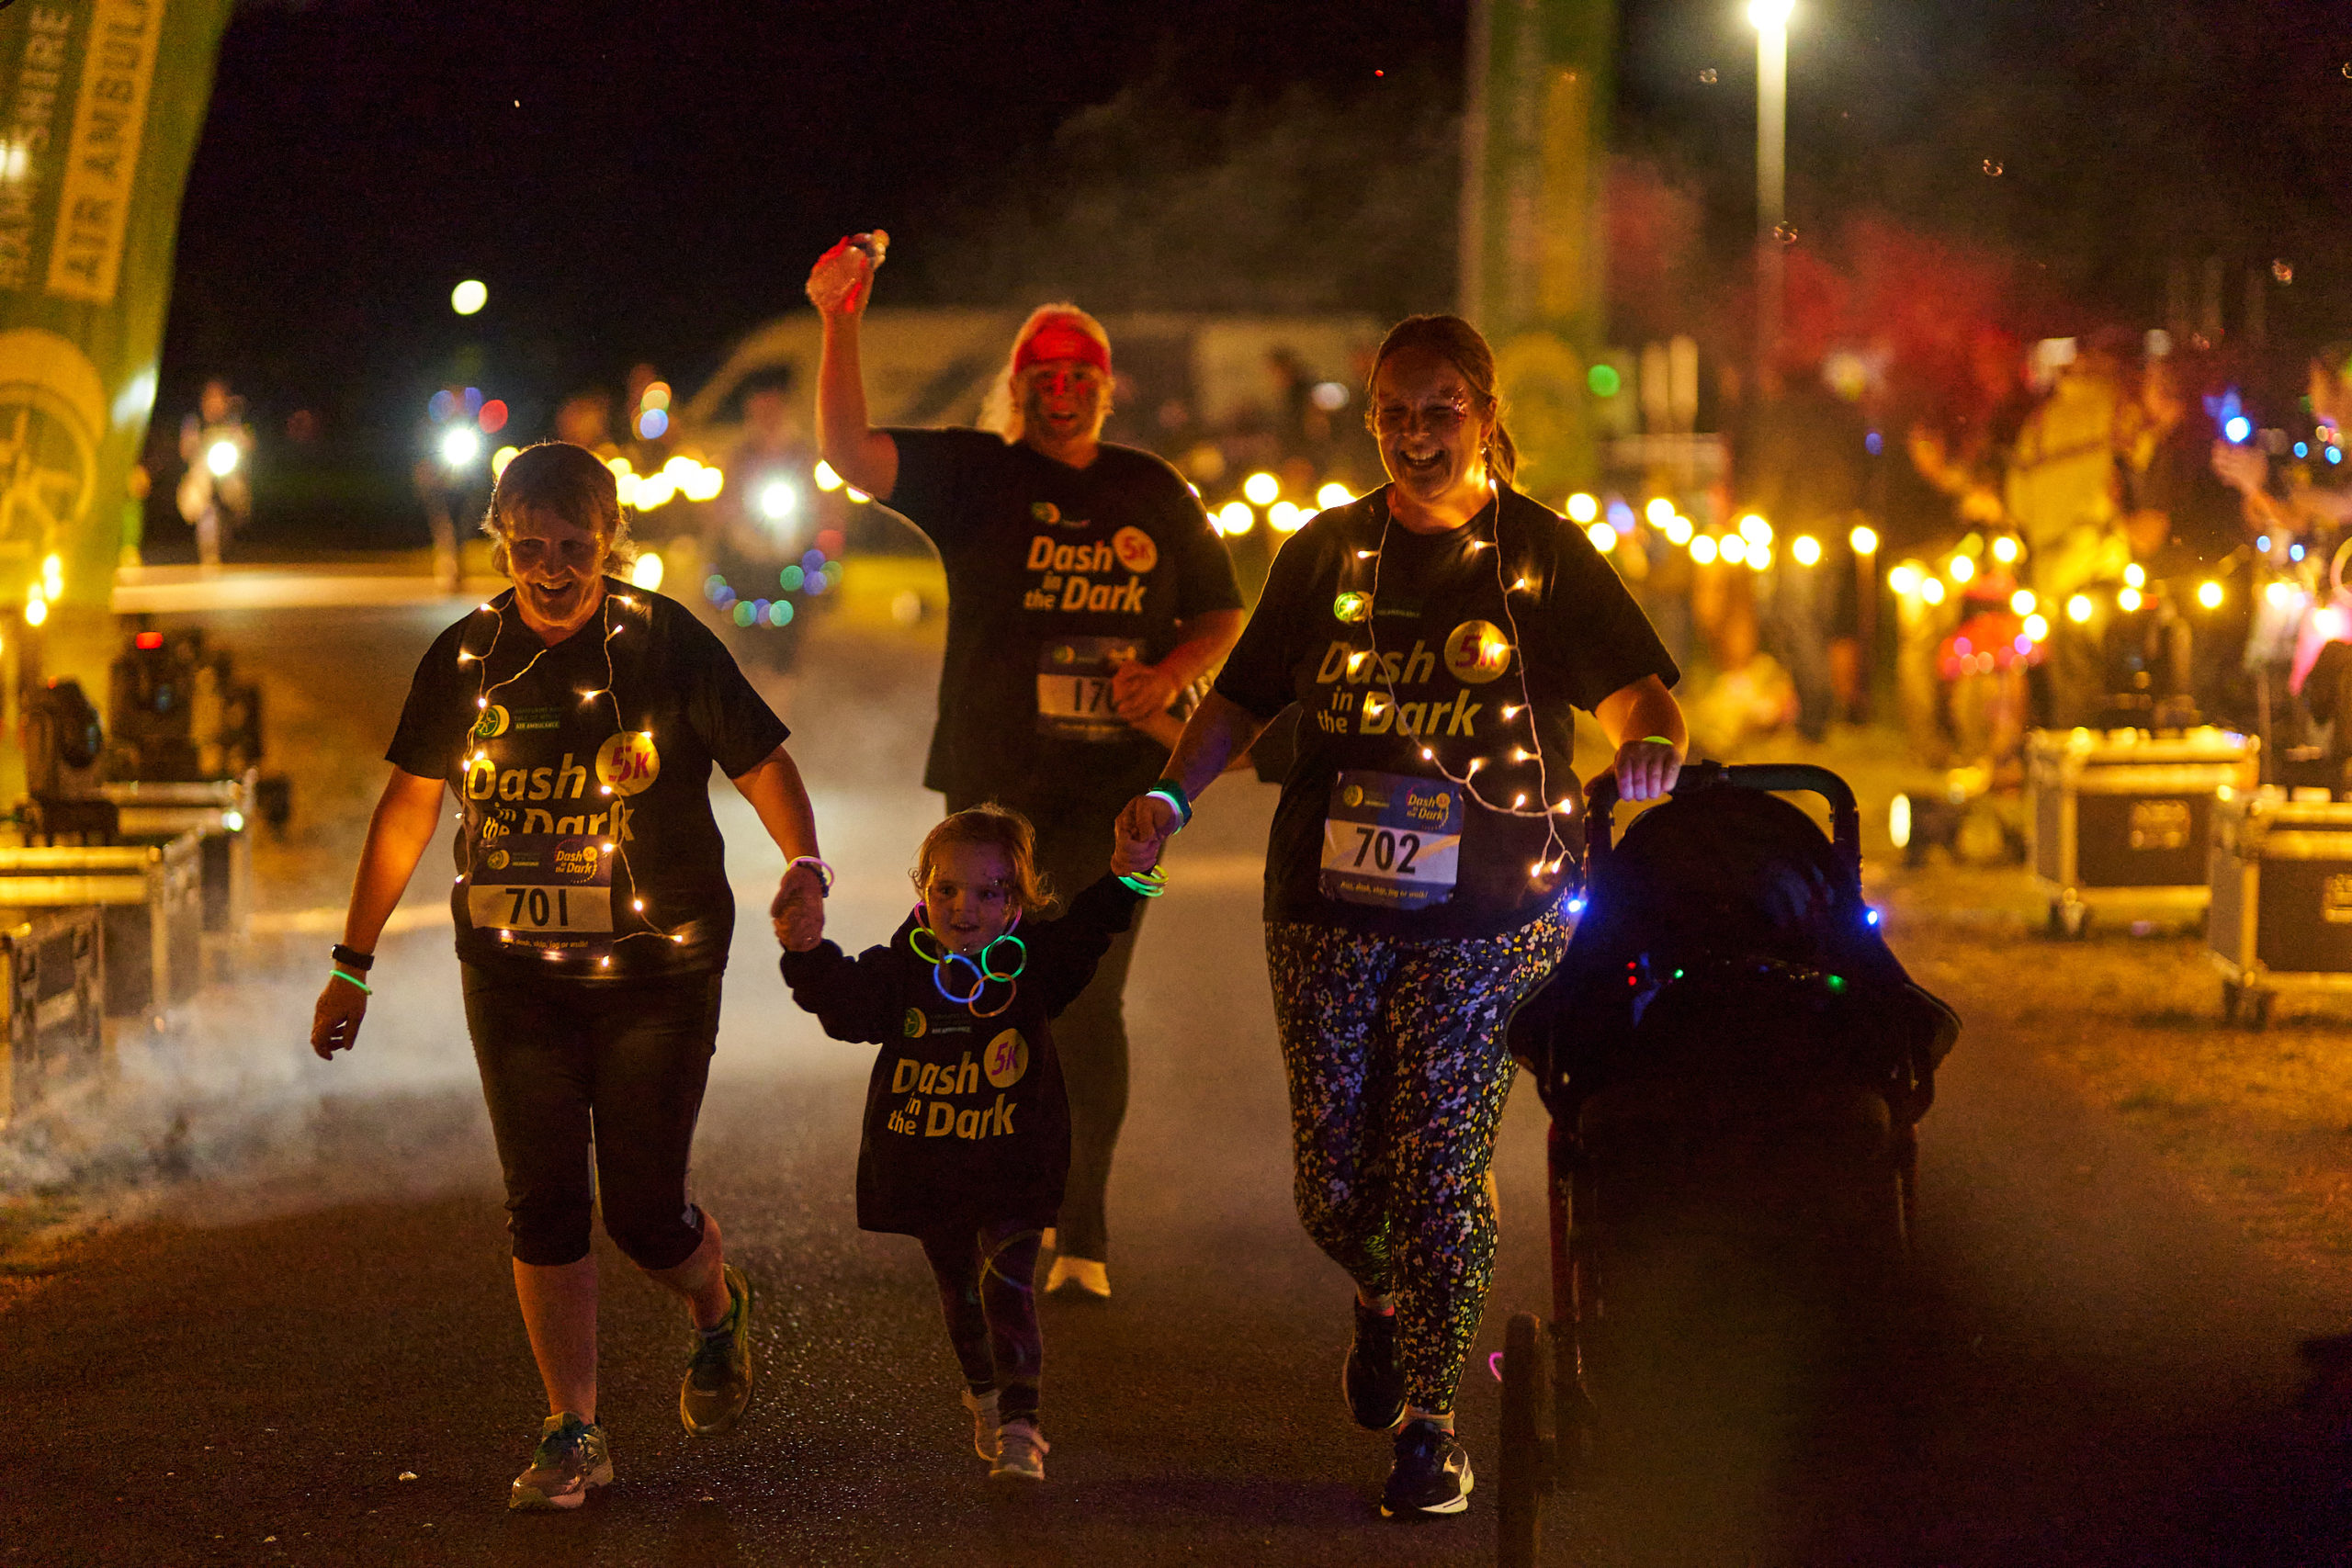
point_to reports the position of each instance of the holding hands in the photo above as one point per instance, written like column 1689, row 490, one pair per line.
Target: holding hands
column 1143, row 826
column 797, row 911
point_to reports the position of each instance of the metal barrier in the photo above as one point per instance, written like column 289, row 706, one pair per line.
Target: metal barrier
column 52, row 1007
column 152, row 899
column 222, row 813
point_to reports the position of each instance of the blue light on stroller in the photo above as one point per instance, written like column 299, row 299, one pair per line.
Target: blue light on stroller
column 1575, row 905
column 1871, row 917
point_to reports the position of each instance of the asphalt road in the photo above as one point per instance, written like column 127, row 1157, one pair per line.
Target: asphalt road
column 302, row 1348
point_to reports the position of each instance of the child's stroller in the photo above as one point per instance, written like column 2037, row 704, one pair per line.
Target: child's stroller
column 1727, row 1033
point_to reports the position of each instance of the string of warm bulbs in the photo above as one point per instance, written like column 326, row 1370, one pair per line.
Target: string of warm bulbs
column 1556, row 852
column 615, row 844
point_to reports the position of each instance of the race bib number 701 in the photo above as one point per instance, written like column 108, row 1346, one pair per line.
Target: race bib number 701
column 534, row 883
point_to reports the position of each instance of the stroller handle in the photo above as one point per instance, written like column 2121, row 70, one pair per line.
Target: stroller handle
column 1845, row 816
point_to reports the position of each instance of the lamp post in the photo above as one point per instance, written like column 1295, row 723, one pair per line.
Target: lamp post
column 1772, row 20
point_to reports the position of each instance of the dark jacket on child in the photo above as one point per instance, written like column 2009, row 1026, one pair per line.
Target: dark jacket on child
column 965, row 1118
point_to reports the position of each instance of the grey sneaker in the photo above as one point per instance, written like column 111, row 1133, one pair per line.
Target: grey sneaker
column 570, row 1459
column 984, row 1426
column 718, row 1389
column 1021, row 1451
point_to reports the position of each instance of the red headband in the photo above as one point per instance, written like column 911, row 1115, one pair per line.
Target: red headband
column 1061, row 337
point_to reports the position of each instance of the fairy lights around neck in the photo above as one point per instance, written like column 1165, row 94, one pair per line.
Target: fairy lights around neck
column 1351, row 607
column 616, row 844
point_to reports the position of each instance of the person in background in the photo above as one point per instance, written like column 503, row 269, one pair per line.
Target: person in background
column 1086, row 592
column 215, row 491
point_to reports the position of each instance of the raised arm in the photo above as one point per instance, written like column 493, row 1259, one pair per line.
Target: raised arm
column 405, row 816
column 838, row 286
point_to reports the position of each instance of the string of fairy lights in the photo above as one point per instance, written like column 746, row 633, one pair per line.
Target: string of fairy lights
column 1351, row 606
column 615, row 842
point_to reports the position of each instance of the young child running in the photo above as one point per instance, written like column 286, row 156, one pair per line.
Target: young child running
column 966, row 1140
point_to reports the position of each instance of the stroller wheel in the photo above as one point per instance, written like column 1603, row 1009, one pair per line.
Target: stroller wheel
column 1528, row 1442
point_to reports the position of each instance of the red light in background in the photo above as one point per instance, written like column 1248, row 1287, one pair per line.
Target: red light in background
column 494, row 416
column 148, row 640
column 830, row 540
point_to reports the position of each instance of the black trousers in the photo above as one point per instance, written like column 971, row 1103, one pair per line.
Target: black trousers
column 1074, row 850
column 613, row 1072
column 987, row 1275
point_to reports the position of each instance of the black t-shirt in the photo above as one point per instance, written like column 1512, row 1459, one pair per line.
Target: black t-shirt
column 1393, row 643
column 587, row 843
column 1056, row 576
column 965, row 1117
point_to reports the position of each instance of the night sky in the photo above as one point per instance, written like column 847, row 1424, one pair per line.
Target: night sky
column 644, row 182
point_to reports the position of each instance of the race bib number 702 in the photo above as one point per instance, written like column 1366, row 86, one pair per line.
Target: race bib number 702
column 1391, row 842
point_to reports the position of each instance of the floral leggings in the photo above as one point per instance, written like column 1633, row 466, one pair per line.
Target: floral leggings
column 1398, row 1073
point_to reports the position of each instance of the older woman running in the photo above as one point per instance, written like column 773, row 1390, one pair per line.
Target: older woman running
column 577, row 719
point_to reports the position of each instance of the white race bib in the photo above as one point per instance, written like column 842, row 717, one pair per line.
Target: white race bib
column 1074, row 686
column 1391, row 842
column 535, row 883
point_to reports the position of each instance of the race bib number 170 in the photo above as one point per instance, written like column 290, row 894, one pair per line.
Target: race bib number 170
column 1391, row 842
column 1074, row 686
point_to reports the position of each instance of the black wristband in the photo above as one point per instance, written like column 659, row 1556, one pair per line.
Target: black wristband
column 352, row 957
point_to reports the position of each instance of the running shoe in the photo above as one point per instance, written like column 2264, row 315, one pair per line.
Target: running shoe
column 1078, row 1277
column 1369, row 1377
column 1020, row 1452
column 1431, row 1474
column 571, row 1458
column 718, row 1389
column 984, row 1426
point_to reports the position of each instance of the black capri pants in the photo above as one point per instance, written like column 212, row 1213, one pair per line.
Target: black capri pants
column 619, row 1067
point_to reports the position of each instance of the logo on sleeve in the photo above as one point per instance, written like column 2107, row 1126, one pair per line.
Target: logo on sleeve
column 1135, row 549
column 628, row 763
column 1477, row 652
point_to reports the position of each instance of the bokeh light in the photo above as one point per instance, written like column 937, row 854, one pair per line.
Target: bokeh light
column 1806, row 550
column 470, row 296
column 460, row 444
column 1583, row 508
column 647, row 572
column 777, row 499
column 1333, row 493
column 1236, row 518
column 1603, row 537
column 1262, row 488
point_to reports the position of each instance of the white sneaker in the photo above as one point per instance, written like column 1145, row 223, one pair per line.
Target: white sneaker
column 984, row 1427
column 1020, row 1452
column 1078, row 1276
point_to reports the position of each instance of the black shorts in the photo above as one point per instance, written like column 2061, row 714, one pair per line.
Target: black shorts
column 621, row 1066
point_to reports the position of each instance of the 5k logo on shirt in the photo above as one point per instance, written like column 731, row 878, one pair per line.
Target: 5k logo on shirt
column 1083, row 577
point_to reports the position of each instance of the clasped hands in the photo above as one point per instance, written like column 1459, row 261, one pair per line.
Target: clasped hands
column 797, row 911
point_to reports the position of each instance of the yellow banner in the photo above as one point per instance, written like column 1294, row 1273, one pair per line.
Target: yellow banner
column 102, row 159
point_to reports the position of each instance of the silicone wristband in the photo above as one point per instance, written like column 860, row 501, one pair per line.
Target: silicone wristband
column 352, row 958
column 1654, row 740
column 365, row 988
column 824, row 872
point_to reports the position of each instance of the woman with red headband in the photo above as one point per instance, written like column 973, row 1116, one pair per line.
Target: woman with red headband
column 1086, row 592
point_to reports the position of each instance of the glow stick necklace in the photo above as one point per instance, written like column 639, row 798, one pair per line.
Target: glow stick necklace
column 983, row 970
column 484, row 690
column 1556, row 850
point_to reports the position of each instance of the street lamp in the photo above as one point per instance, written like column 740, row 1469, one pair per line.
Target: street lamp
column 1772, row 20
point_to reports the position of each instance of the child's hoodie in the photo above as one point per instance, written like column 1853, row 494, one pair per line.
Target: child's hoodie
column 966, row 1120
